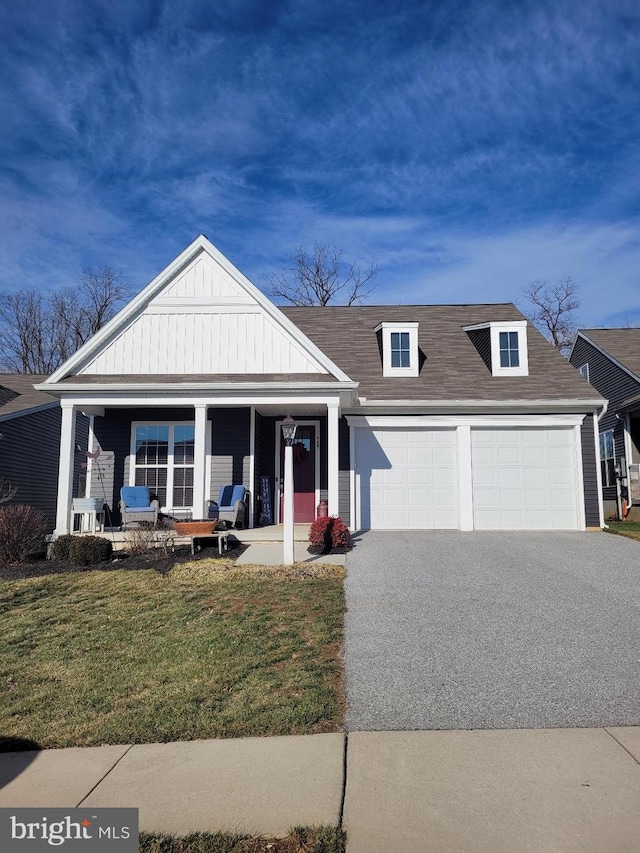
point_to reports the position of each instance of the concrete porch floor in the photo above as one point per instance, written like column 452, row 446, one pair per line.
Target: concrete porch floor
column 272, row 533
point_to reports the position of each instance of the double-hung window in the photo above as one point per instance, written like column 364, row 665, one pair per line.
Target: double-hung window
column 607, row 458
column 509, row 351
column 400, row 349
column 163, row 459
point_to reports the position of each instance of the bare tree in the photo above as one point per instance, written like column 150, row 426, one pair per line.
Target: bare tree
column 39, row 331
column 552, row 310
column 320, row 277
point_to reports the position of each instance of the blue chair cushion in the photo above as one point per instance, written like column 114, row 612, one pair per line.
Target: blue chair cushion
column 137, row 497
column 229, row 495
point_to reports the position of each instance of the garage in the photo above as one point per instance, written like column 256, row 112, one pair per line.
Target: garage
column 472, row 477
column 524, row 479
column 407, row 479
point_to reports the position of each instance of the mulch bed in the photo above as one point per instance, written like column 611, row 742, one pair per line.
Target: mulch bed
column 155, row 559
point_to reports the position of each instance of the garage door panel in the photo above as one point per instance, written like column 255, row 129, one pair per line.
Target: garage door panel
column 413, row 484
column 524, row 479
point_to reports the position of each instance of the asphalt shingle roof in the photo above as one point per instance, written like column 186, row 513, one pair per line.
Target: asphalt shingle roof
column 453, row 368
column 17, row 393
column 621, row 344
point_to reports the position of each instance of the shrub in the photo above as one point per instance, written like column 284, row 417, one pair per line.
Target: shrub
column 22, row 531
column 61, row 546
column 340, row 537
column 88, row 550
column 328, row 533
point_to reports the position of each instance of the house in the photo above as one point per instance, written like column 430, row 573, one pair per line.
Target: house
column 30, row 443
column 409, row 417
column 610, row 360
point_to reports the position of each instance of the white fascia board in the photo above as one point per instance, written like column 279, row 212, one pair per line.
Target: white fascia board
column 189, row 387
column 32, row 411
column 453, row 421
column 192, row 398
column 200, row 244
column 437, row 406
column 609, row 356
column 498, row 324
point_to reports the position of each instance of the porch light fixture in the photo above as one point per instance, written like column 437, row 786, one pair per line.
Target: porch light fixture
column 289, row 427
column 288, row 433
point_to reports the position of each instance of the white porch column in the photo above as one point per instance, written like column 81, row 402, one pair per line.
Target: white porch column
column 465, row 478
column 333, row 411
column 199, row 460
column 288, row 527
column 65, row 468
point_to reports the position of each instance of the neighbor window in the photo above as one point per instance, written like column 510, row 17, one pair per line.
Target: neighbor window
column 400, row 349
column 509, row 353
column 584, row 371
column 163, row 460
column 607, row 458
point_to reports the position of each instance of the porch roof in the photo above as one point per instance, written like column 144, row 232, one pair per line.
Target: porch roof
column 209, row 379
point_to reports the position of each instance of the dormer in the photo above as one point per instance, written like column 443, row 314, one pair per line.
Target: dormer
column 399, row 342
column 503, row 346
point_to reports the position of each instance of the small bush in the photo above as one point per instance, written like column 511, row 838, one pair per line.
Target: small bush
column 22, row 531
column 340, row 537
column 328, row 533
column 61, row 547
column 88, row 550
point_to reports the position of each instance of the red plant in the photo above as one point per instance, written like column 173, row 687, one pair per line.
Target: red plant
column 329, row 532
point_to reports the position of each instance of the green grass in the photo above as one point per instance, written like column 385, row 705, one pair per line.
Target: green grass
column 630, row 529
column 301, row 840
column 133, row 657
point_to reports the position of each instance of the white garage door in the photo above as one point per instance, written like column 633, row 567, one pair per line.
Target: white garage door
column 406, row 479
column 524, row 479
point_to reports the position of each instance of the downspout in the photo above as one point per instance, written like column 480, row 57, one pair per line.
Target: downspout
column 600, row 416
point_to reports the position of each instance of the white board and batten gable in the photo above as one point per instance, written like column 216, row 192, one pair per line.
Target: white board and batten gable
column 200, row 316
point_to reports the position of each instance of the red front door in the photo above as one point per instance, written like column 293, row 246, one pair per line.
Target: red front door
column 304, row 475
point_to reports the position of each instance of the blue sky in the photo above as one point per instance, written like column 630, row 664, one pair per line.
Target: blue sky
column 466, row 147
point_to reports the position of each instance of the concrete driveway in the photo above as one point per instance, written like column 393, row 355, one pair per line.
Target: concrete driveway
column 449, row 630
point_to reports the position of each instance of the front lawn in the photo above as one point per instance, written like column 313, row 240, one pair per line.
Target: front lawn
column 630, row 529
column 209, row 650
column 301, row 840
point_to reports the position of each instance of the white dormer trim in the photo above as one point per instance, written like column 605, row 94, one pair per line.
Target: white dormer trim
column 387, row 330
column 496, row 327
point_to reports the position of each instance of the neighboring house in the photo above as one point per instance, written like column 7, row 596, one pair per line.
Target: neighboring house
column 30, row 442
column 409, row 417
column 610, row 360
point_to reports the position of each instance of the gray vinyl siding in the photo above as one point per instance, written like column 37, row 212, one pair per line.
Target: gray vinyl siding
column 230, row 451
column 590, row 473
column 30, row 455
column 615, row 385
column 344, row 472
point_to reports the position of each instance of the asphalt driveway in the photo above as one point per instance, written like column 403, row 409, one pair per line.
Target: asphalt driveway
column 449, row 630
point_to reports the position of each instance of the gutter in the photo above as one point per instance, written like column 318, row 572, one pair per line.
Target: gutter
column 177, row 387
column 577, row 406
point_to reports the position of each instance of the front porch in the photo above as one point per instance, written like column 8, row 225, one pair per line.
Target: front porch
column 186, row 452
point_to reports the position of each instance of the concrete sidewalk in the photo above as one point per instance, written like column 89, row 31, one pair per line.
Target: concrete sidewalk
column 560, row 790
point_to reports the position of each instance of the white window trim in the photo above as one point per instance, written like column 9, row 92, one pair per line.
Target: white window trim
column 497, row 326
column 412, row 330
column 606, row 459
column 170, row 457
column 584, row 367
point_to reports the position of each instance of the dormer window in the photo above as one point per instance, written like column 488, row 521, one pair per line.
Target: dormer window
column 503, row 346
column 400, row 349
column 509, row 350
column 399, row 343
